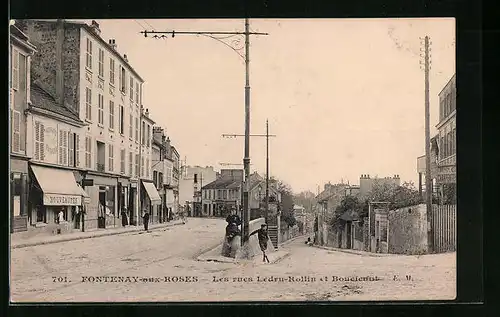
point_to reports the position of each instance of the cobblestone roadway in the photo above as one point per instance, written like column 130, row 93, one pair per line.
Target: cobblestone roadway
column 432, row 276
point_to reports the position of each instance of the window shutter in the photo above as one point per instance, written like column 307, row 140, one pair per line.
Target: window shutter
column 37, row 141
column 42, row 142
column 77, row 149
column 61, row 139
column 65, row 153
column 71, row 149
column 16, row 129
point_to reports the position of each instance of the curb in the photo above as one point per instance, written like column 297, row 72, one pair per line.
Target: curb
column 361, row 253
column 103, row 234
column 291, row 240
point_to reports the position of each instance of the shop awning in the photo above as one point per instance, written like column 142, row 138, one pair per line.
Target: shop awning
column 59, row 186
column 152, row 193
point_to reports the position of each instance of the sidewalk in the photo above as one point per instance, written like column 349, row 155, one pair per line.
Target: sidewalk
column 357, row 252
column 93, row 233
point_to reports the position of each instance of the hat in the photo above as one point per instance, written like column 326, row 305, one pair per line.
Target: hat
column 264, row 225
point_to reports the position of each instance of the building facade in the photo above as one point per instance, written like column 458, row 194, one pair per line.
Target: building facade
column 204, row 175
column 91, row 79
column 21, row 51
column 446, row 164
column 222, row 196
column 366, row 183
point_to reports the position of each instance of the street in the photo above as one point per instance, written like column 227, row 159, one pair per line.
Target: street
column 162, row 266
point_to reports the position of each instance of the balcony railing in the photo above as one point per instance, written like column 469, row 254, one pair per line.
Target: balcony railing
column 100, row 167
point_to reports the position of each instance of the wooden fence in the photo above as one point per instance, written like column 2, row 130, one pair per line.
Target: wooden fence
column 444, row 224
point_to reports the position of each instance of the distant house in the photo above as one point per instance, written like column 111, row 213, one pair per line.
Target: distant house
column 222, row 196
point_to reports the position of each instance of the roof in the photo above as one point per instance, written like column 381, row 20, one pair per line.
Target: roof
column 223, row 183
column 21, row 38
column 43, row 100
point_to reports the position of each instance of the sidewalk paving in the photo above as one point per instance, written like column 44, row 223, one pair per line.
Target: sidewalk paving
column 93, row 233
column 357, row 252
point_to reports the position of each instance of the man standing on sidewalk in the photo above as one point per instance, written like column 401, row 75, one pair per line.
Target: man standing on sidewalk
column 145, row 219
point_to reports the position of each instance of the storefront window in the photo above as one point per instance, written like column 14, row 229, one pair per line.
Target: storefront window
column 41, row 215
column 110, row 198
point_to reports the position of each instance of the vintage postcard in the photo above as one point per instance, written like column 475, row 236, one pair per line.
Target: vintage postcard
column 232, row 160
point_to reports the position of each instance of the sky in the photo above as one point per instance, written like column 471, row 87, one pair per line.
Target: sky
column 344, row 97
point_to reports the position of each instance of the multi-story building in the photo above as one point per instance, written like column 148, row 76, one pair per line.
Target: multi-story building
column 366, row 183
column 21, row 51
column 93, row 81
column 176, row 174
column 446, row 165
column 326, row 203
column 257, row 195
column 149, row 197
column 204, row 175
column 222, row 196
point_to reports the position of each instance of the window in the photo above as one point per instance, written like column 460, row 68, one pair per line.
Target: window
column 441, row 109
column 160, row 180
column 15, row 69
column 39, row 141
column 63, row 147
column 15, row 119
column 73, row 149
column 155, row 179
column 136, row 129
column 41, row 214
column 122, row 161
column 101, row 62
column 137, row 93
column 88, row 152
column 111, row 71
column 142, row 166
column 123, row 84
column 111, row 114
column 143, row 133
column 122, row 120
column 148, row 136
column 88, row 103
column 89, row 54
column 147, row 168
column 111, row 156
column 131, row 164
column 131, row 88
column 137, row 165
column 100, row 114
column 131, row 127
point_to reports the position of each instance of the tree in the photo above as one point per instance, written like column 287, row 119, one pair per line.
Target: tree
column 397, row 196
column 348, row 203
column 305, row 199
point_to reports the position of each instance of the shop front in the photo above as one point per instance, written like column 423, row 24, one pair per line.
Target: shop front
column 55, row 206
column 101, row 212
column 150, row 198
column 123, row 201
column 18, row 195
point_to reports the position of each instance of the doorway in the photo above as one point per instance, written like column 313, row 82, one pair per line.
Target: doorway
column 101, row 216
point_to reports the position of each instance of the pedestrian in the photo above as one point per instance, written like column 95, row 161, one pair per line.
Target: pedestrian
column 145, row 219
column 60, row 216
column 263, row 238
column 124, row 217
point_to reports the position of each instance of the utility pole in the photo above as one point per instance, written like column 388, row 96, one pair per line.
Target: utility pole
column 428, row 179
column 267, row 171
column 246, row 57
column 267, row 136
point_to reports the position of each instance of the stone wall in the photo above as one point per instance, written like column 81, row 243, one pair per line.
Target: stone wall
column 56, row 54
column 408, row 230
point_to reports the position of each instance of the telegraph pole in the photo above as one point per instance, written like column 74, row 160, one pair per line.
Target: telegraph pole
column 267, row 136
column 428, row 176
column 246, row 158
column 267, row 171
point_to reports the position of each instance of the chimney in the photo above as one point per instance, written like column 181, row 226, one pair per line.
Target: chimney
column 147, row 113
column 95, row 27
column 125, row 57
column 60, row 62
column 112, row 43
